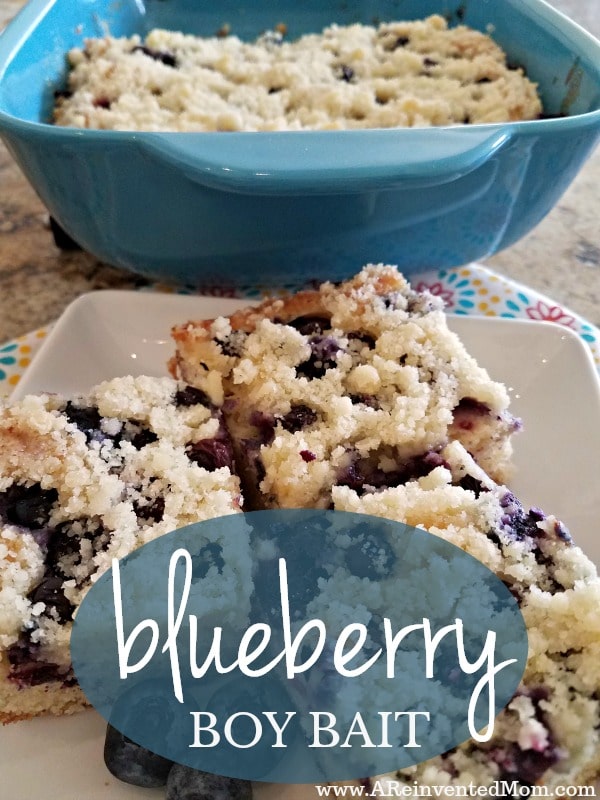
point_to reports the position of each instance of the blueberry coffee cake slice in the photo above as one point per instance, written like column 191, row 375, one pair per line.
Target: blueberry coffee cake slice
column 549, row 733
column 86, row 480
column 358, row 385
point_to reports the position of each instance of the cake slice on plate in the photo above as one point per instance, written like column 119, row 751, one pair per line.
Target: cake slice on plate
column 358, row 384
column 357, row 397
column 83, row 481
column 549, row 734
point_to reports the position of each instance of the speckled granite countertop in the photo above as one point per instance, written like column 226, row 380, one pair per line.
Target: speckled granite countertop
column 560, row 258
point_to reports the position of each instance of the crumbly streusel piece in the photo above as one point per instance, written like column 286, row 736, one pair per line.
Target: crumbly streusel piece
column 357, row 385
column 83, row 481
column 399, row 74
column 549, row 732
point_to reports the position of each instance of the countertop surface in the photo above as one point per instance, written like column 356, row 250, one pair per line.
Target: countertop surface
column 560, row 257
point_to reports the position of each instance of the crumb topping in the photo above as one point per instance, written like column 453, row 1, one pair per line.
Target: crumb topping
column 398, row 74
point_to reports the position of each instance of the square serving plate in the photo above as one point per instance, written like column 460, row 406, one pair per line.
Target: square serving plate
column 546, row 368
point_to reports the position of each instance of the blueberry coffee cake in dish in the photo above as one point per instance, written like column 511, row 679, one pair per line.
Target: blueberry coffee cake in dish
column 398, row 74
column 83, row 481
column 550, row 731
column 357, row 385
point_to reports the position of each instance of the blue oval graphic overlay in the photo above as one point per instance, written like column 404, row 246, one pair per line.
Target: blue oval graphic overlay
column 299, row 646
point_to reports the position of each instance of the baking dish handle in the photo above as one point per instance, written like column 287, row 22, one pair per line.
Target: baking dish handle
column 326, row 162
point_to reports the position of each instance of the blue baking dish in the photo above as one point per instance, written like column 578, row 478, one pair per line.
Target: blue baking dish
column 270, row 208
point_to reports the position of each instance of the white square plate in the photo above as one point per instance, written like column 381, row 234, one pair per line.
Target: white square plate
column 546, row 368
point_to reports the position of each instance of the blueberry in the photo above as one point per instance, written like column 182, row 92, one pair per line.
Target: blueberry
column 390, row 300
column 536, row 695
column 253, row 696
column 363, row 338
column 185, row 783
column 361, row 472
column 309, row 325
column 467, row 411
column 368, row 400
column 27, row 670
column 37, row 672
column 102, row 102
column 370, row 556
column 298, row 417
column 132, row 763
column 211, row 555
column 346, row 73
column 63, row 557
column 50, row 592
column 190, row 396
column 154, row 510
column 432, row 459
column 521, row 526
column 86, row 418
column 476, row 406
column 471, row 484
column 41, row 537
column 508, row 500
column 143, row 437
column 324, row 350
column 232, row 345
column 211, row 453
column 524, row 766
column 27, row 506
column 265, row 423
column 158, row 55
column 148, row 709
column 351, row 476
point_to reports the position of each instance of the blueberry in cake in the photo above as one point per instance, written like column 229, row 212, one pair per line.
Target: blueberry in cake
column 83, row 481
column 356, row 385
column 550, row 731
column 398, row 74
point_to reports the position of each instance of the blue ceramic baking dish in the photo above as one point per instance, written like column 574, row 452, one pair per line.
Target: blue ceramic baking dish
column 289, row 206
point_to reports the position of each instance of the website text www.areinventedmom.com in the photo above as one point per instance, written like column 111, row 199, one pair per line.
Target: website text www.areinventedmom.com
column 504, row 788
